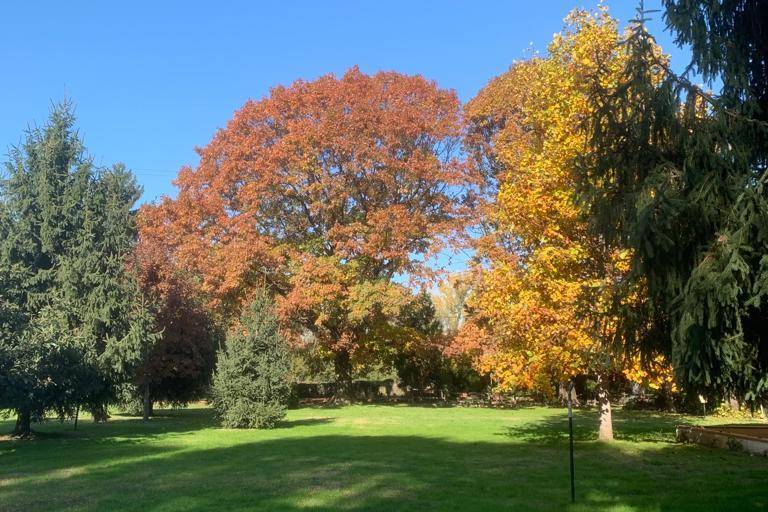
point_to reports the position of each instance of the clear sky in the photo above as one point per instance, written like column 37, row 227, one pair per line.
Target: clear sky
column 153, row 80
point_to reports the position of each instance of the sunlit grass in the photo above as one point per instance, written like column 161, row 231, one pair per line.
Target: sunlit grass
column 374, row 458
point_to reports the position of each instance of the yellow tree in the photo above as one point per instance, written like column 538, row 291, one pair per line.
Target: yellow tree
column 544, row 291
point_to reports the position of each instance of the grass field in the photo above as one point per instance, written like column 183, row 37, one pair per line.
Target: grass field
column 374, row 458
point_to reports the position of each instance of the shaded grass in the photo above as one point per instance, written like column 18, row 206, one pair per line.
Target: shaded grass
column 375, row 458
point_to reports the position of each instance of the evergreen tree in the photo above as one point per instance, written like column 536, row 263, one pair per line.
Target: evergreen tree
column 250, row 386
column 678, row 175
column 67, row 304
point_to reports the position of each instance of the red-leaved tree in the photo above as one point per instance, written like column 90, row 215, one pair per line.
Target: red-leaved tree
column 325, row 192
column 179, row 366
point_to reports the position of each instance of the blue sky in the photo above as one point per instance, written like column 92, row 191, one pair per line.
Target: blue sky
column 152, row 80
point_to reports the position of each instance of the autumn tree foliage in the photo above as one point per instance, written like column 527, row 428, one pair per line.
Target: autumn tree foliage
column 179, row 366
column 324, row 191
column 540, row 313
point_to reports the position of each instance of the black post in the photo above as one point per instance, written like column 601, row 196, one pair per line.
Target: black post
column 570, row 437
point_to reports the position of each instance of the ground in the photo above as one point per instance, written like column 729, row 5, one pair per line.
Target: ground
column 375, row 458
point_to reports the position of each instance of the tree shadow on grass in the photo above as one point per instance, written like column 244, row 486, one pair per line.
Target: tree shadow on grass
column 634, row 426
column 272, row 472
column 120, row 425
column 329, row 473
column 122, row 428
column 304, row 422
column 59, row 448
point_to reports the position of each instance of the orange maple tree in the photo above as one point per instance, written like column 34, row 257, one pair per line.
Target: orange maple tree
column 325, row 192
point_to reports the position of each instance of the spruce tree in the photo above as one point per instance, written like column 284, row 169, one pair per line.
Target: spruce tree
column 66, row 301
column 250, row 386
column 678, row 176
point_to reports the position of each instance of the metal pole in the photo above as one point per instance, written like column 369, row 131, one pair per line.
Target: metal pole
column 570, row 437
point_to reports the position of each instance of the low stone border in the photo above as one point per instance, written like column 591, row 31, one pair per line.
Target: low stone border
column 733, row 437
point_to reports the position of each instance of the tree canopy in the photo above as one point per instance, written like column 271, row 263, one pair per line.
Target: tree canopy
column 179, row 366
column 546, row 281
column 676, row 175
column 250, row 387
column 73, row 321
column 324, row 191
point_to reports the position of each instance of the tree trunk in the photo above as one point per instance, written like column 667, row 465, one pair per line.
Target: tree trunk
column 100, row 413
column 147, row 403
column 562, row 392
column 668, row 400
column 343, row 369
column 605, row 431
column 23, row 424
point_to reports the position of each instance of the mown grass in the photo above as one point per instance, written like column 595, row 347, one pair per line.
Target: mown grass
column 375, row 458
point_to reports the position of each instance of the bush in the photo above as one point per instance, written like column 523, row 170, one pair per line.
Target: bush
column 250, row 387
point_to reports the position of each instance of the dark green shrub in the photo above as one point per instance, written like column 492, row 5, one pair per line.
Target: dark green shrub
column 250, row 387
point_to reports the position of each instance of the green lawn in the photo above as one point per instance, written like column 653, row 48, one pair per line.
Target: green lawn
column 374, row 458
